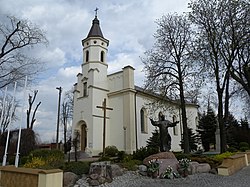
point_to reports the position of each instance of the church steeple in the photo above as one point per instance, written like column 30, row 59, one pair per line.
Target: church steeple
column 95, row 30
column 95, row 46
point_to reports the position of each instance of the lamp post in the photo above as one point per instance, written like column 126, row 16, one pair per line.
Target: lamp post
column 58, row 115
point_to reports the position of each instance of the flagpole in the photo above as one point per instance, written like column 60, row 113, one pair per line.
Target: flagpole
column 8, row 134
column 20, row 125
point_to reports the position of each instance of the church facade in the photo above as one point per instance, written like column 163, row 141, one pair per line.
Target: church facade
column 127, row 126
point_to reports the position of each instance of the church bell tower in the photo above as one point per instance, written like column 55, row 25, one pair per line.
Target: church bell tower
column 91, row 88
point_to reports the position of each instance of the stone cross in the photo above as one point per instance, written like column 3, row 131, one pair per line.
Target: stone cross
column 104, row 108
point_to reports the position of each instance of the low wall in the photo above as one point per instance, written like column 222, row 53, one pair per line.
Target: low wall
column 11, row 176
column 234, row 163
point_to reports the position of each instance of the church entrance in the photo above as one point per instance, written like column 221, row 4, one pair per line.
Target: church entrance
column 83, row 137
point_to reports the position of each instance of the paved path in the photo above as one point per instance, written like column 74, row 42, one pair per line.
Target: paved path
column 132, row 179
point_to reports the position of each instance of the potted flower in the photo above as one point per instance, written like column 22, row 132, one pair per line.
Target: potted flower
column 169, row 173
column 183, row 167
column 153, row 168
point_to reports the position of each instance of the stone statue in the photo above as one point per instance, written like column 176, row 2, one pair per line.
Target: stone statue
column 165, row 138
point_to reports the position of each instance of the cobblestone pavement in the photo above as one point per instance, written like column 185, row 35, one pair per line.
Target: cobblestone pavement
column 132, row 179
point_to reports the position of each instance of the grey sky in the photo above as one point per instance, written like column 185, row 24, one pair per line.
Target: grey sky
column 128, row 25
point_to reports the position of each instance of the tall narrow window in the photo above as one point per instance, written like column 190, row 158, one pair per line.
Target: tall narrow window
column 84, row 89
column 87, row 56
column 175, row 129
column 102, row 56
column 143, row 120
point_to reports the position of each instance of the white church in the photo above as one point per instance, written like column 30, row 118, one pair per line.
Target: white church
column 127, row 126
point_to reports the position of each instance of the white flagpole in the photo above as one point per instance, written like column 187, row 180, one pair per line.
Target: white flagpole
column 3, row 108
column 20, row 126
column 8, row 134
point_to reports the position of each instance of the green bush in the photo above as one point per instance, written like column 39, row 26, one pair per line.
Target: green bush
column 143, row 152
column 111, row 151
column 121, row 155
column 52, row 158
column 243, row 144
column 23, row 160
column 131, row 164
column 104, row 158
column 78, row 168
column 243, row 149
column 232, row 149
column 220, row 157
column 180, row 155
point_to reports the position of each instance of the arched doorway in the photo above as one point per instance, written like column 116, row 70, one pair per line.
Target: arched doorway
column 83, row 138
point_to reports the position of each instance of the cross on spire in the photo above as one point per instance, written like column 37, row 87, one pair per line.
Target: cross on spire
column 96, row 11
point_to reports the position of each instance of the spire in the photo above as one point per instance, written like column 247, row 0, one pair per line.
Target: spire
column 95, row 29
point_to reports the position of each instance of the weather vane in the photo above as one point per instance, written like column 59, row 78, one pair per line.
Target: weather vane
column 96, row 11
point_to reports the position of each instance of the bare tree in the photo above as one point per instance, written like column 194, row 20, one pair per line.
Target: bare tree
column 15, row 36
column 31, row 100
column 67, row 112
column 220, row 40
column 168, row 65
column 5, row 119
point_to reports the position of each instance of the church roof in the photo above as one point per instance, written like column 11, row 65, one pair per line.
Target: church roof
column 95, row 30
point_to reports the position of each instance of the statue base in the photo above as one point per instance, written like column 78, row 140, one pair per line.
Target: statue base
column 165, row 158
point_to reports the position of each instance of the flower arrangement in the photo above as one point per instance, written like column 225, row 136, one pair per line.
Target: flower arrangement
column 183, row 167
column 153, row 168
column 153, row 165
column 184, row 163
column 169, row 173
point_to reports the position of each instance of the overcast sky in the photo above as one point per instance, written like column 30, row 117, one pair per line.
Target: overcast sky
column 128, row 25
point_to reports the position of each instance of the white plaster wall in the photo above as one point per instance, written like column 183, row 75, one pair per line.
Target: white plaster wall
column 115, row 82
column 115, row 128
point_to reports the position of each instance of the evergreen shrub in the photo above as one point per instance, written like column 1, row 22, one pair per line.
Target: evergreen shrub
column 244, row 144
column 78, row 168
column 143, row 152
column 232, row 149
column 111, row 151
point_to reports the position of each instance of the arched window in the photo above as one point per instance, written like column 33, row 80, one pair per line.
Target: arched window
column 102, row 56
column 175, row 129
column 143, row 118
column 87, row 56
column 85, row 93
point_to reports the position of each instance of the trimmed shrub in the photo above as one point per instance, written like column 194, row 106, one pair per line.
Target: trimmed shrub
column 244, row 144
column 143, row 152
column 111, row 151
column 232, row 149
column 243, row 149
column 78, row 168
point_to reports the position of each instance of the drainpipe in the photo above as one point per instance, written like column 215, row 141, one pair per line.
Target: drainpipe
column 136, row 136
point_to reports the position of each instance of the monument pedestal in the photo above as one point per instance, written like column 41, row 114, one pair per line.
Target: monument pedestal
column 165, row 158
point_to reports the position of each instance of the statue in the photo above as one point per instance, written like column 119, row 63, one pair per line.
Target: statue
column 165, row 138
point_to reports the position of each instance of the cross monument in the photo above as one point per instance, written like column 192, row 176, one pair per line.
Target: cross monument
column 104, row 108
